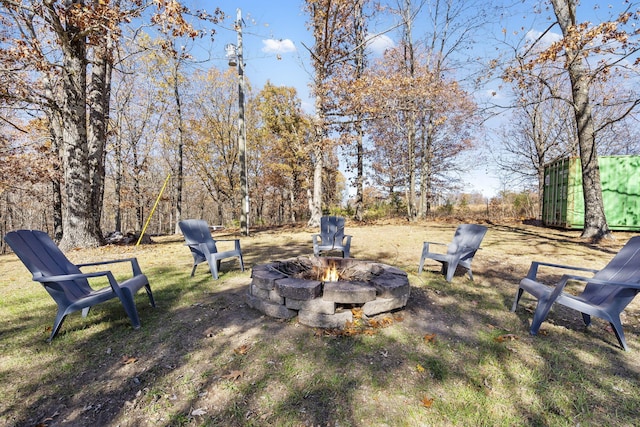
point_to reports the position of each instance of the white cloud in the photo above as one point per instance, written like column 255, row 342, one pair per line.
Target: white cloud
column 278, row 46
column 379, row 43
column 546, row 41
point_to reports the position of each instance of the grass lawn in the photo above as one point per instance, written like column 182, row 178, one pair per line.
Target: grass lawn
column 455, row 355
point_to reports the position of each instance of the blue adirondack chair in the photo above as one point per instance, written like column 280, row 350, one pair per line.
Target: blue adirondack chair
column 67, row 285
column 332, row 237
column 460, row 252
column 197, row 236
column 605, row 295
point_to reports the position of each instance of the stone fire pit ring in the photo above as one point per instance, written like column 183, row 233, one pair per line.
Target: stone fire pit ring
column 294, row 287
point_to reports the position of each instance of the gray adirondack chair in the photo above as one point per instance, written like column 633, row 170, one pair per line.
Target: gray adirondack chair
column 460, row 252
column 197, row 236
column 605, row 295
column 67, row 285
column 332, row 237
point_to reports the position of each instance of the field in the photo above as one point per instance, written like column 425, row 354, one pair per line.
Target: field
column 455, row 355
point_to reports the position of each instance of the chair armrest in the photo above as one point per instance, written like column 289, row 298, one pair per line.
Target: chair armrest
column 135, row 267
column 533, row 269
column 38, row 277
column 572, row 277
column 425, row 247
column 566, row 278
column 236, row 242
column 62, row 277
column 346, row 242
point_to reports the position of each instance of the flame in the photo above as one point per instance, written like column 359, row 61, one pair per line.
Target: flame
column 330, row 274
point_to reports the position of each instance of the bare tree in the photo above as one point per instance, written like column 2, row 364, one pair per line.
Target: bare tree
column 611, row 43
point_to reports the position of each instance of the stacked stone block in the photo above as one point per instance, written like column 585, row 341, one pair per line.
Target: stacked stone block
column 326, row 304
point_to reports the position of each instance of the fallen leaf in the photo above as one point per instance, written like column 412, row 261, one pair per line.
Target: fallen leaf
column 419, row 368
column 126, row 360
column 430, row 338
column 374, row 323
column 348, row 324
column 233, row 375
column 506, row 337
column 427, row 402
column 357, row 312
column 243, row 349
column 198, row 412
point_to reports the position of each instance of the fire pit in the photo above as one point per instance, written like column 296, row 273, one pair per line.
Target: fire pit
column 322, row 290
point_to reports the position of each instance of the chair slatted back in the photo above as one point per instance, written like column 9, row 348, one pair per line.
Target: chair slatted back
column 42, row 257
column 331, row 230
column 467, row 236
column 197, row 231
column 624, row 267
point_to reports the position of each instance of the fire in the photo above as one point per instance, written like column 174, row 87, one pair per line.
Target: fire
column 330, row 274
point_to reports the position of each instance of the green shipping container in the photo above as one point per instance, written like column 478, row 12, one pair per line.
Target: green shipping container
column 563, row 201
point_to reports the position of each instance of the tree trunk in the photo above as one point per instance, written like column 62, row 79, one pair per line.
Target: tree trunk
column 78, row 225
column 595, row 223
column 55, row 127
column 118, row 186
column 179, row 171
column 359, row 70
column 425, row 169
column 318, row 149
column 99, row 101
column 410, row 121
column 318, row 168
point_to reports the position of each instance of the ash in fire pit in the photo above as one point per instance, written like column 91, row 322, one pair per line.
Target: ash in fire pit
column 322, row 290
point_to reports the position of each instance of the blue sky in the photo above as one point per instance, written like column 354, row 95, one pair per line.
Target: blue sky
column 275, row 36
column 274, row 40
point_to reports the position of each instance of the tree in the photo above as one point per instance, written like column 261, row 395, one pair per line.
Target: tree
column 135, row 135
column 64, row 49
column 331, row 23
column 592, row 53
column 421, row 111
column 212, row 151
column 538, row 131
column 168, row 63
column 284, row 153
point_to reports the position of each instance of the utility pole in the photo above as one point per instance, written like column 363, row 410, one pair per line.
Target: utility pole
column 234, row 55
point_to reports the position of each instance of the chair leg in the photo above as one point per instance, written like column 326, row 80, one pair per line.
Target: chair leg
column 147, row 288
column 214, row 265
column 470, row 274
column 617, row 329
column 449, row 270
column 193, row 270
column 130, row 307
column 517, row 299
column 241, row 263
column 57, row 324
column 423, row 256
column 542, row 310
